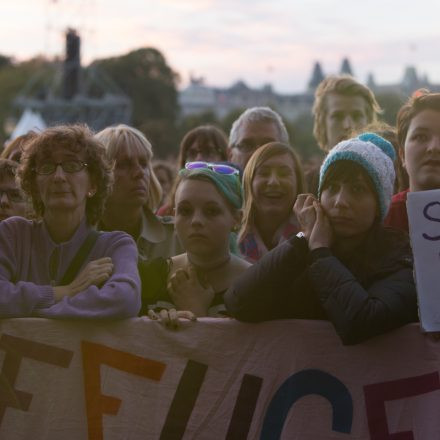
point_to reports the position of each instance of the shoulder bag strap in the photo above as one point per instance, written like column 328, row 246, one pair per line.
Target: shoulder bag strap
column 79, row 258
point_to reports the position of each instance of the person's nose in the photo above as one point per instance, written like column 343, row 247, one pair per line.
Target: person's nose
column 434, row 144
column 138, row 171
column 59, row 173
column 197, row 218
column 342, row 198
column 348, row 122
column 273, row 179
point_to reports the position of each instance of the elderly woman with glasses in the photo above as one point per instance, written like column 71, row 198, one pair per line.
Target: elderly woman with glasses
column 208, row 203
column 59, row 266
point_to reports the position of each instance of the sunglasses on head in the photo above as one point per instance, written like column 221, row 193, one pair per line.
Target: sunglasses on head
column 217, row 167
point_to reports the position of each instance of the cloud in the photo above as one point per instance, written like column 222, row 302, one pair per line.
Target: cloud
column 276, row 40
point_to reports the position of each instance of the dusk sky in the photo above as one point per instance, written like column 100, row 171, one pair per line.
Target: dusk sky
column 258, row 41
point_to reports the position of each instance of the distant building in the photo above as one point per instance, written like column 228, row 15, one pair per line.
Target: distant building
column 317, row 77
column 411, row 81
column 346, row 67
column 199, row 98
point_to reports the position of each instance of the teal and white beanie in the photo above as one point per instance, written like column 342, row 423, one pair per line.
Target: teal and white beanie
column 375, row 155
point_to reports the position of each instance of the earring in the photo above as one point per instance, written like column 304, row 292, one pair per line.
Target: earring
column 90, row 194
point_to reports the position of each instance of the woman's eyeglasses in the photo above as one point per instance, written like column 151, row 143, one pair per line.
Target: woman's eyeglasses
column 217, row 167
column 68, row 166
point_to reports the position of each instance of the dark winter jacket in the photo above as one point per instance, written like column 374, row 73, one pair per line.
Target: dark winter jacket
column 366, row 293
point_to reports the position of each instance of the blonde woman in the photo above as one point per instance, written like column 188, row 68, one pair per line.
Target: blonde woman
column 136, row 194
column 272, row 179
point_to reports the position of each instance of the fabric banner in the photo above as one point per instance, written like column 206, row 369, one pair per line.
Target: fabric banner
column 214, row 379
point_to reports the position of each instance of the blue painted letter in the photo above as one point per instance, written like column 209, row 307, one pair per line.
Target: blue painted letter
column 302, row 384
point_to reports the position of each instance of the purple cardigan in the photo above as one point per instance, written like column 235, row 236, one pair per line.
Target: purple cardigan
column 26, row 285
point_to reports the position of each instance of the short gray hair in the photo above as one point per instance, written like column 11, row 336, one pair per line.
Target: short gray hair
column 258, row 114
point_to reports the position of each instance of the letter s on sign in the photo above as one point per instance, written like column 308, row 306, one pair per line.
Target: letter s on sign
column 434, row 219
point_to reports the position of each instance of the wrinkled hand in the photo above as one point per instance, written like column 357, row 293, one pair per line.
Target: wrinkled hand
column 322, row 234
column 187, row 293
column 305, row 213
column 95, row 273
column 172, row 318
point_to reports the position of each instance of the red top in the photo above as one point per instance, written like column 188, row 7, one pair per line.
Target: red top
column 397, row 216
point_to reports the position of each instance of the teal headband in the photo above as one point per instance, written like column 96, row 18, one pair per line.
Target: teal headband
column 228, row 184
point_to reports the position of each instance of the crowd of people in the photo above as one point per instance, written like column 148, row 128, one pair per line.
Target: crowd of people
column 91, row 226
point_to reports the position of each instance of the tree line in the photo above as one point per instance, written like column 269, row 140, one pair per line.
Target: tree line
column 152, row 85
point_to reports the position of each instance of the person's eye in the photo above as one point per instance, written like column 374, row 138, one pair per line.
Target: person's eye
column 263, row 173
column 337, row 116
column 332, row 188
column 358, row 188
column 212, row 211
column 72, row 165
column 357, row 116
column 45, row 167
column 184, row 211
column 284, row 173
column 419, row 137
column 245, row 148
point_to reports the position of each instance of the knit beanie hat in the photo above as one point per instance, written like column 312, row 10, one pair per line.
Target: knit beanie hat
column 228, row 185
column 375, row 155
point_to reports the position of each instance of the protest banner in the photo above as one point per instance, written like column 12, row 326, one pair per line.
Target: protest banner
column 214, row 379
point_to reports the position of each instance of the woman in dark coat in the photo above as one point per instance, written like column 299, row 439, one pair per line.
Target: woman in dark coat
column 345, row 266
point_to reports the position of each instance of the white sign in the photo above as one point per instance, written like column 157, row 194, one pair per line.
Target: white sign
column 424, row 229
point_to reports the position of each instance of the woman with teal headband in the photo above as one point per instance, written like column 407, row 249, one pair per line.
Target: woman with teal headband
column 208, row 203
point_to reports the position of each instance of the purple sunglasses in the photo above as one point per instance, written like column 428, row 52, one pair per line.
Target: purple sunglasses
column 217, row 167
